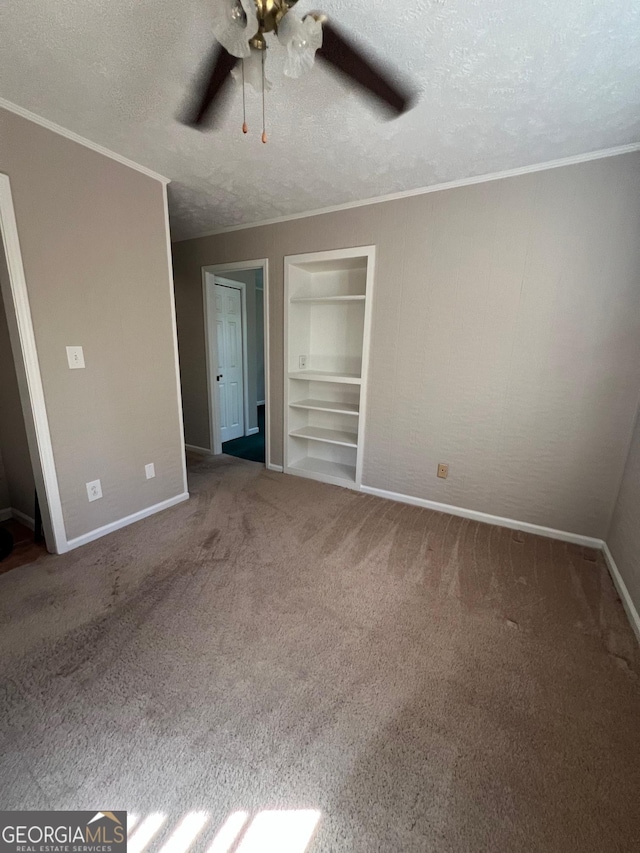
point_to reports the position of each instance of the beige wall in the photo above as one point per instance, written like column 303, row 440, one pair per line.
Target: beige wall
column 624, row 536
column 93, row 241
column 14, row 448
column 506, row 338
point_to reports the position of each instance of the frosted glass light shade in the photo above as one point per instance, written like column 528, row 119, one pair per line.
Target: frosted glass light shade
column 234, row 23
column 252, row 71
column 302, row 38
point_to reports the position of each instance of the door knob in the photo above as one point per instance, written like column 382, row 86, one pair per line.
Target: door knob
column 218, row 377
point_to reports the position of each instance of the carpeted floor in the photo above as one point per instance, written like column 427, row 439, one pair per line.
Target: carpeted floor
column 422, row 682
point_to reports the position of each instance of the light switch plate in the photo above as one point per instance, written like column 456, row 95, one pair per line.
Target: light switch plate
column 94, row 490
column 302, row 362
column 150, row 470
column 75, row 357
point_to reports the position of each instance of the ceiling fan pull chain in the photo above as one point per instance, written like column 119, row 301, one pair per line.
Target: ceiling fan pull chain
column 245, row 129
column 264, row 129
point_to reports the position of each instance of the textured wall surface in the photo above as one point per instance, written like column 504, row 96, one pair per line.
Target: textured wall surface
column 14, row 448
column 501, row 84
column 93, row 241
column 506, row 338
column 624, row 535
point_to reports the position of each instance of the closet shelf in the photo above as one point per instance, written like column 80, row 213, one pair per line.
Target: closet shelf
column 328, row 436
column 350, row 298
column 326, row 376
column 325, row 470
column 327, row 406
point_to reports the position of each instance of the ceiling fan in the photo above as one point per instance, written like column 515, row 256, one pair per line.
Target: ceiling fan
column 241, row 27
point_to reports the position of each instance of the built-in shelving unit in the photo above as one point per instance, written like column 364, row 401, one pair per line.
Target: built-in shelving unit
column 327, row 329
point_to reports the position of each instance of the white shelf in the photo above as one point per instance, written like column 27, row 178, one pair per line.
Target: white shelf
column 325, row 470
column 328, row 436
column 354, row 298
column 324, row 376
column 327, row 406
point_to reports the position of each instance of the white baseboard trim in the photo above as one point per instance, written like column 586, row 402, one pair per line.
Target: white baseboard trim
column 277, row 468
column 623, row 592
column 23, row 518
column 99, row 532
column 204, row 451
column 485, row 518
column 252, row 430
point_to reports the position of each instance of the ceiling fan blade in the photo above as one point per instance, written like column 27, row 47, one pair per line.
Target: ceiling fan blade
column 350, row 60
column 210, row 88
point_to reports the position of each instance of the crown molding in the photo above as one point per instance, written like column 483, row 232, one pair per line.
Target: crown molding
column 74, row 137
column 434, row 188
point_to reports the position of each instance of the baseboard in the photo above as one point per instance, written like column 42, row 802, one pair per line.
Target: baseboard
column 23, row 518
column 277, row 468
column 485, row 518
column 195, row 449
column 99, row 532
column 252, row 431
column 623, row 592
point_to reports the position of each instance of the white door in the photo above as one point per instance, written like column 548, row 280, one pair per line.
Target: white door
column 229, row 376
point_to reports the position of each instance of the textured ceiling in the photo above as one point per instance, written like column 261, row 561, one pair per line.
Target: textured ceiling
column 503, row 83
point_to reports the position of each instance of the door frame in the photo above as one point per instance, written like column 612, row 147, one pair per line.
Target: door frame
column 213, row 279
column 15, row 297
column 209, row 274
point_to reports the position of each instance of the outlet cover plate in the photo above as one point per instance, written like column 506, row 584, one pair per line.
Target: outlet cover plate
column 443, row 470
column 150, row 470
column 94, row 490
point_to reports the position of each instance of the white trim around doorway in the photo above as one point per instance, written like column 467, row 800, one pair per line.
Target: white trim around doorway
column 23, row 343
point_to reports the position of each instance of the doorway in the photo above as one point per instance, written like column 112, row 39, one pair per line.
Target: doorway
column 236, row 334
column 29, row 493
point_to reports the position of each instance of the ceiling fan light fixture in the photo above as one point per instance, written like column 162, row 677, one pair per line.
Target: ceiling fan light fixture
column 302, row 37
column 251, row 74
column 234, row 23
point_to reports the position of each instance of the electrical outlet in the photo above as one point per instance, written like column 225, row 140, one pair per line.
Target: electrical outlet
column 150, row 470
column 302, row 362
column 94, row 490
column 75, row 357
column 443, row 470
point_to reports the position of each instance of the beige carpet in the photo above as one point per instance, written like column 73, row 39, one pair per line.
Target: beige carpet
column 424, row 682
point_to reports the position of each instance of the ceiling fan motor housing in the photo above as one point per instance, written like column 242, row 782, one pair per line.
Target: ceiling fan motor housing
column 270, row 13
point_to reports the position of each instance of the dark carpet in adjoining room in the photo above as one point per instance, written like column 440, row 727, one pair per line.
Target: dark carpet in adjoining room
column 422, row 682
column 25, row 549
column 249, row 447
